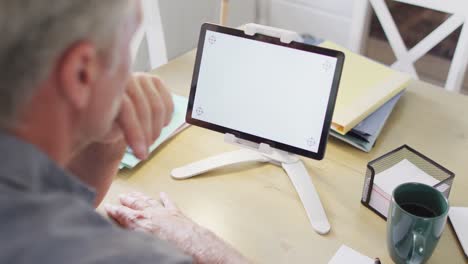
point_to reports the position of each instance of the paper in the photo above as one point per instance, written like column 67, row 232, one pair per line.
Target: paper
column 379, row 201
column 402, row 172
column 176, row 125
column 346, row 255
column 459, row 219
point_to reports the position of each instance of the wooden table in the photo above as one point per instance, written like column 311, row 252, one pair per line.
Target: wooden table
column 256, row 208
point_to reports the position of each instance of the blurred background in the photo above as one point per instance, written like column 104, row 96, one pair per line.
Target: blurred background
column 350, row 23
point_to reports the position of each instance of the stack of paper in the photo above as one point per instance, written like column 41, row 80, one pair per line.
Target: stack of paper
column 367, row 96
column 176, row 125
column 386, row 181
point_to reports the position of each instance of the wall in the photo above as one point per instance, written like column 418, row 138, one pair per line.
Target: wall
column 182, row 20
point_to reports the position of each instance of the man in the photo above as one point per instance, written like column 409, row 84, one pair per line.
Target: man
column 68, row 109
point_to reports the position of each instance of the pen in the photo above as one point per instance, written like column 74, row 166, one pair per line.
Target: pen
column 377, row 261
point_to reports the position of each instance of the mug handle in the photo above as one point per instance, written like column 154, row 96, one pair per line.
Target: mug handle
column 419, row 245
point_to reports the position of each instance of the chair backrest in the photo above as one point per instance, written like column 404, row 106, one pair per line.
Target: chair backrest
column 152, row 31
column 406, row 58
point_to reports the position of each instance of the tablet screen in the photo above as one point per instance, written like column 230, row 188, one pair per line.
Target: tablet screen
column 268, row 91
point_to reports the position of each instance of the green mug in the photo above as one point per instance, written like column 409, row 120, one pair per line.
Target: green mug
column 416, row 220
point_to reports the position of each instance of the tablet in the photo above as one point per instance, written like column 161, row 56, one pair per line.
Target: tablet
column 265, row 91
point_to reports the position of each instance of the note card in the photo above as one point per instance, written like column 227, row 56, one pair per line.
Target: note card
column 402, row 172
column 386, row 181
column 459, row 218
column 346, row 255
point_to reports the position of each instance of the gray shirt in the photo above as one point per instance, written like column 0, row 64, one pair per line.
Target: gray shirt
column 47, row 216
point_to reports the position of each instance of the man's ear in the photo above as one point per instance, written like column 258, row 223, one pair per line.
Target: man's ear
column 78, row 72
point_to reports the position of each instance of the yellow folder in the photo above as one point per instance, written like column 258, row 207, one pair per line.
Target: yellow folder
column 365, row 86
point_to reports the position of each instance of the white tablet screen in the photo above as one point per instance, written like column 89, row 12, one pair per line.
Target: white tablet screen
column 265, row 90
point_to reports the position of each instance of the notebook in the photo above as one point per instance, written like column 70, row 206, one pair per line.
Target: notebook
column 365, row 87
column 176, row 125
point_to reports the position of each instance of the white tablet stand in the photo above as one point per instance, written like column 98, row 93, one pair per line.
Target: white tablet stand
column 253, row 152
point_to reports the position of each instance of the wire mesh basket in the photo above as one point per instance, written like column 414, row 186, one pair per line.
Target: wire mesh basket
column 443, row 176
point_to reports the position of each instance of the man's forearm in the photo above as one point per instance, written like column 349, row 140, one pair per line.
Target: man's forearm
column 216, row 251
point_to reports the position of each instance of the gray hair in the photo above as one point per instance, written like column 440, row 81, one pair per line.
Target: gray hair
column 34, row 33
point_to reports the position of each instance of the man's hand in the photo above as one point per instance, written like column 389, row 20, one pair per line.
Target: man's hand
column 163, row 219
column 146, row 108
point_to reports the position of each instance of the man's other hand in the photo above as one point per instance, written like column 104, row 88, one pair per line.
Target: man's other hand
column 163, row 219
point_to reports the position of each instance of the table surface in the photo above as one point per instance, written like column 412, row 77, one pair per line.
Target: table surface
column 255, row 207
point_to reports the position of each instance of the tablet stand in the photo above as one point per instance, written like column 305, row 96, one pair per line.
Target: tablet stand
column 252, row 152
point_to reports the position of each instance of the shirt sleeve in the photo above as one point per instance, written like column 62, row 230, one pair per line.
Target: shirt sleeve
column 58, row 228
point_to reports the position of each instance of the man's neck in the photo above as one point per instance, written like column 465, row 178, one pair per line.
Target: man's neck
column 46, row 124
column 49, row 138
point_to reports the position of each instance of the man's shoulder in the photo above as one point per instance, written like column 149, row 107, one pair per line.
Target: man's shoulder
column 59, row 228
column 48, row 210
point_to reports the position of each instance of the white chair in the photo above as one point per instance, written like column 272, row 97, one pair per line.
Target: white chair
column 406, row 58
column 151, row 30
